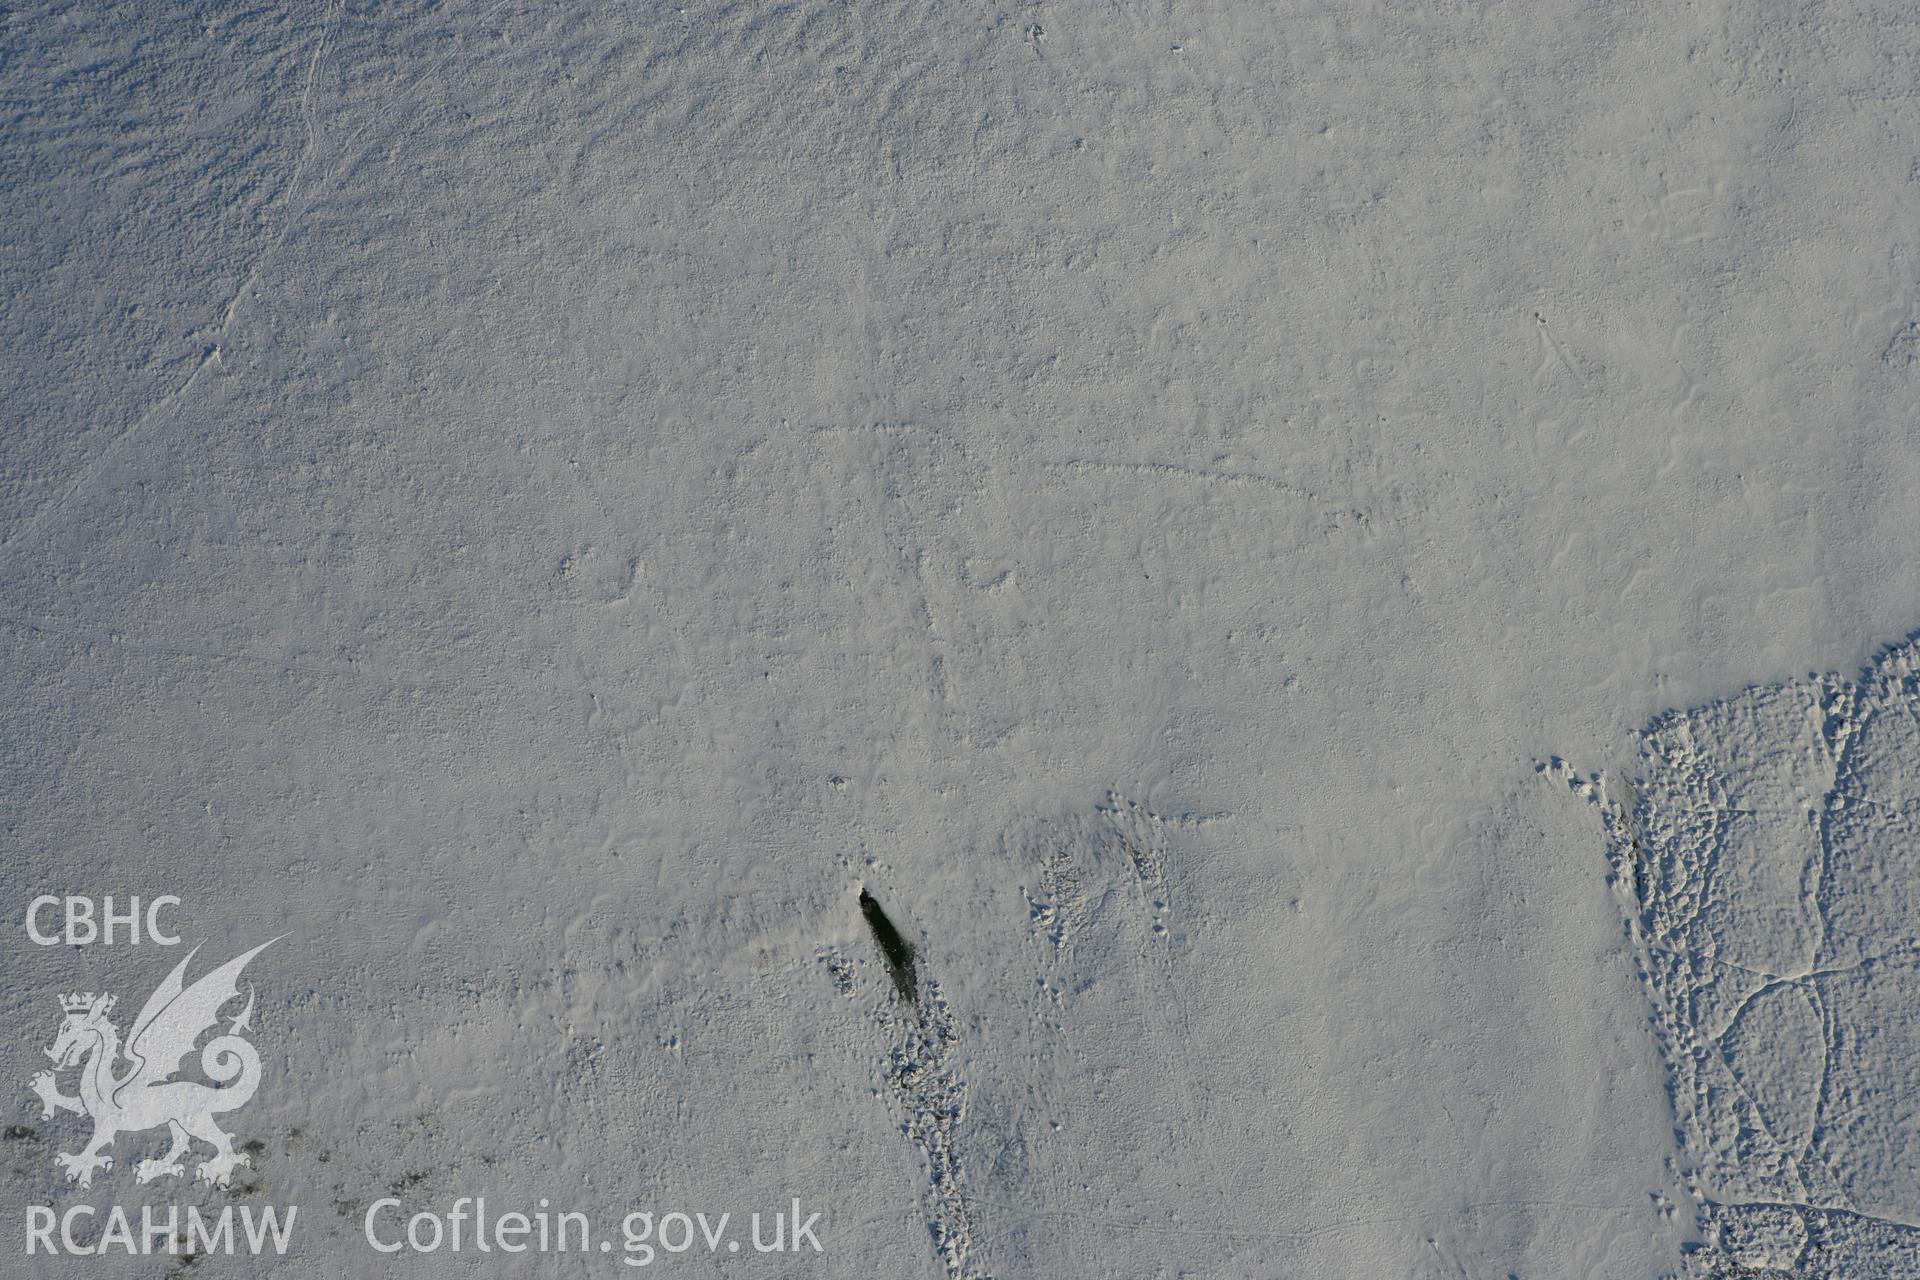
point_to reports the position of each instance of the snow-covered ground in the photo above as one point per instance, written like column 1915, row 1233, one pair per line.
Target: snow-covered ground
column 1763, row 853
column 546, row 504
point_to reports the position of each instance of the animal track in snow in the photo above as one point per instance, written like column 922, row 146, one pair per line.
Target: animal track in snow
column 934, row 1100
column 1002, row 1138
column 1109, row 1033
column 1080, row 861
column 922, row 1082
column 1765, row 858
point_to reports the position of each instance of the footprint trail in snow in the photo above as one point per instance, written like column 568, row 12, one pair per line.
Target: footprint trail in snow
column 1767, row 855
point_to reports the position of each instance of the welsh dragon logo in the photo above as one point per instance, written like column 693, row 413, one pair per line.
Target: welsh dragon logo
column 144, row 1095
